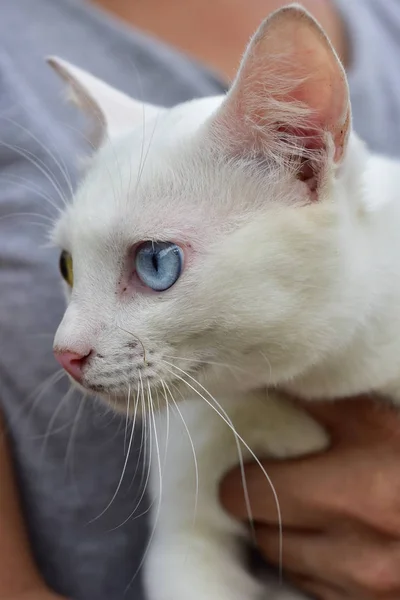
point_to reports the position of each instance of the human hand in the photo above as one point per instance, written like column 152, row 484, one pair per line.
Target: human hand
column 340, row 509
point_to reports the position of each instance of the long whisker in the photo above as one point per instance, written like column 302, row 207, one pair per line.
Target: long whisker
column 40, row 165
column 142, row 442
column 157, row 448
column 208, row 362
column 121, row 477
column 242, row 472
column 74, row 429
column 227, row 421
column 127, row 416
column 147, row 444
column 59, row 408
column 41, row 390
column 26, row 184
column 164, row 386
column 142, row 484
column 58, row 161
column 50, row 221
column 193, row 452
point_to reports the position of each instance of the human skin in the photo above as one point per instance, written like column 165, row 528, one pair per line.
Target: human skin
column 340, row 509
column 216, row 33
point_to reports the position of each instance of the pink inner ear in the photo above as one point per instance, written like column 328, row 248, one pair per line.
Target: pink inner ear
column 291, row 91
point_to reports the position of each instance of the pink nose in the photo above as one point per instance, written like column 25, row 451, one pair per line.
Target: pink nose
column 72, row 362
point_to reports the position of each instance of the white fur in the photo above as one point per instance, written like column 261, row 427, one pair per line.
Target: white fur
column 283, row 287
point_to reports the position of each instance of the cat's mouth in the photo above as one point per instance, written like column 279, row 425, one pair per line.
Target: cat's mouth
column 146, row 392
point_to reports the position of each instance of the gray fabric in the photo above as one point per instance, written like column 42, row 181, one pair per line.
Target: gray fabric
column 70, row 454
column 374, row 75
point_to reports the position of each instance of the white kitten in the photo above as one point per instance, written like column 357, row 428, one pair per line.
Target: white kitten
column 220, row 247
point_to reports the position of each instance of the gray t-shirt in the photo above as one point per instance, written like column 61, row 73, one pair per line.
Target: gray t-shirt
column 70, row 453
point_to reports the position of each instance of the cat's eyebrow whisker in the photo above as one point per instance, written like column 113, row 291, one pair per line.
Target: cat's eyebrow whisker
column 226, row 419
column 143, row 159
column 118, row 165
column 140, row 157
column 193, row 452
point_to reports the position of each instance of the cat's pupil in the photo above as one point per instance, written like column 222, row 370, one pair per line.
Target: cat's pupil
column 154, row 260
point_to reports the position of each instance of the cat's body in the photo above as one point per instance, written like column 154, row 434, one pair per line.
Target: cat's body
column 280, row 233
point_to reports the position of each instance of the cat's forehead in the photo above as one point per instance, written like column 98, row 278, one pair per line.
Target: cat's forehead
column 161, row 181
column 150, row 183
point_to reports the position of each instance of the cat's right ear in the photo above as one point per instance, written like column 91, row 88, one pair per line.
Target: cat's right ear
column 111, row 111
column 290, row 98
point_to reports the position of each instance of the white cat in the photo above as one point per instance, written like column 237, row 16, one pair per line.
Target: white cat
column 216, row 249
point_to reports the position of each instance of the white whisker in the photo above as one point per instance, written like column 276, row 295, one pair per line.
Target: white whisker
column 74, row 429
column 157, row 515
column 50, row 221
column 48, row 432
column 164, row 385
column 40, row 391
column 193, row 452
column 121, row 477
column 142, row 485
column 27, row 185
column 127, row 416
column 40, row 165
column 227, row 421
column 57, row 160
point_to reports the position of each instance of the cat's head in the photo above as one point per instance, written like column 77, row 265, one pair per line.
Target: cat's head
column 205, row 240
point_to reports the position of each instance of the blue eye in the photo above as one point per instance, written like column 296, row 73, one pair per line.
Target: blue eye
column 159, row 264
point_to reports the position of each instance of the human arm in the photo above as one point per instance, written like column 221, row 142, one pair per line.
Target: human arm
column 341, row 509
column 19, row 576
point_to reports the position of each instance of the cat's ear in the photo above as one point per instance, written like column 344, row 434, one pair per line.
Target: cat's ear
column 110, row 111
column 290, row 97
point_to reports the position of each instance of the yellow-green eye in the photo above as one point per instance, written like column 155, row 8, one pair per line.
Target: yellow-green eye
column 66, row 267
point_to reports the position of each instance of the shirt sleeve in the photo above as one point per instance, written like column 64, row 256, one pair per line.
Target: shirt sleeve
column 373, row 28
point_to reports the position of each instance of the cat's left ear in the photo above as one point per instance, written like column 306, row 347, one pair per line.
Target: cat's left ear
column 290, row 99
column 111, row 112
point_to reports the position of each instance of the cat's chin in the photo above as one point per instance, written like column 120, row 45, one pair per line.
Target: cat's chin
column 122, row 402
